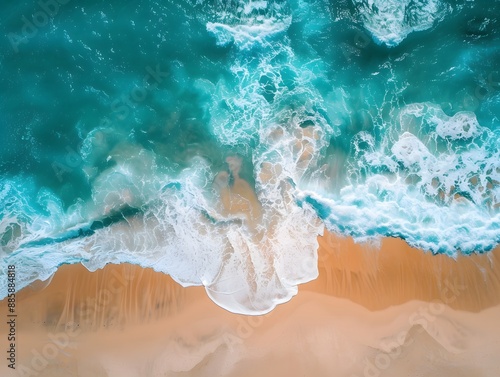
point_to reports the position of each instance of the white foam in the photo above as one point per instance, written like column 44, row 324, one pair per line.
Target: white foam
column 438, row 189
column 243, row 271
column 245, row 36
column 390, row 21
column 361, row 213
column 409, row 150
column 462, row 125
column 253, row 6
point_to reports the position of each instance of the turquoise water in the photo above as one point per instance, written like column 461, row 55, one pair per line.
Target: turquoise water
column 374, row 118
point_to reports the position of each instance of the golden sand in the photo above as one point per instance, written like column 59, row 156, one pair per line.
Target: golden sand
column 393, row 273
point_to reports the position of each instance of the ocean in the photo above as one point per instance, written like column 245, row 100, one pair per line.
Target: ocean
column 124, row 126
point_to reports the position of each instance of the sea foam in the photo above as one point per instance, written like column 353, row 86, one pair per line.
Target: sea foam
column 390, row 21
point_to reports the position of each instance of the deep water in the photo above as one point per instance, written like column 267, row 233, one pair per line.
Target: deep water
column 373, row 117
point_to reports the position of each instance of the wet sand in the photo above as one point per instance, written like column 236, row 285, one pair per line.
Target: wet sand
column 392, row 273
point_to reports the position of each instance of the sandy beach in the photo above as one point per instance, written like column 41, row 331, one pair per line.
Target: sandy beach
column 389, row 312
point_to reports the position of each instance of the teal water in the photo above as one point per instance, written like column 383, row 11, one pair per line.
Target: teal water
column 374, row 118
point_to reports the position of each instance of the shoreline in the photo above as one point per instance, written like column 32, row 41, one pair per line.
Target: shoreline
column 394, row 273
column 372, row 276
